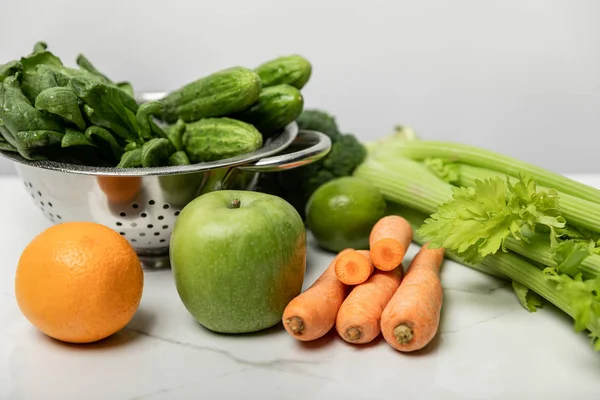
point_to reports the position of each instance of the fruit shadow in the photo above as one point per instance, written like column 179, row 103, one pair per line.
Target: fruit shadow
column 274, row 330
column 320, row 343
column 142, row 321
column 431, row 347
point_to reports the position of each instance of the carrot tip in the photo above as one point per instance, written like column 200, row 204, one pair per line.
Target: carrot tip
column 353, row 334
column 296, row 325
column 403, row 334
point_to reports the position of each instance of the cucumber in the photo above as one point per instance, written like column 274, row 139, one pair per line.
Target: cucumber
column 276, row 107
column 225, row 92
column 212, row 139
column 293, row 70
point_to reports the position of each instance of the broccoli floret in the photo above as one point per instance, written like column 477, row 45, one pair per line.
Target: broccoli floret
column 343, row 156
column 317, row 120
column 298, row 184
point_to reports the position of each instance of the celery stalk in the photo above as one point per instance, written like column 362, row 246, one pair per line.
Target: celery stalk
column 406, row 182
column 455, row 152
column 412, row 184
column 539, row 251
column 508, row 265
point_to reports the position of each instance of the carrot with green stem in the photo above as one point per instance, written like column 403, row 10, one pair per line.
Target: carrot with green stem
column 312, row 313
column 354, row 267
column 411, row 318
column 389, row 240
column 358, row 320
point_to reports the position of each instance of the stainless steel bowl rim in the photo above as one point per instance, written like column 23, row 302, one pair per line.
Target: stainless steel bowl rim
column 279, row 143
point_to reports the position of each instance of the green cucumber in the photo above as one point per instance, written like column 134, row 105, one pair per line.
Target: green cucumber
column 212, row 139
column 293, row 70
column 219, row 94
column 276, row 107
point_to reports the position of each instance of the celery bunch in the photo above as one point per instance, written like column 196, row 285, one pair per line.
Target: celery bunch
column 498, row 215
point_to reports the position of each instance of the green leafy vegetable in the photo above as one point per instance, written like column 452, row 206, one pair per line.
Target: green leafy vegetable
column 5, row 146
column 105, row 139
column 179, row 158
column 41, row 138
column 18, row 115
column 477, row 202
column 74, row 137
column 85, row 64
column 63, row 102
column 478, row 220
column 131, row 159
column 156, row 153
column 144, row 119
column 577, row 297
column 126, row 87
column 109, row 107
column 9, row 69
column 475, row 156
column 39, row 47
column 528, row 298
column 132, row 146
column 583, row 296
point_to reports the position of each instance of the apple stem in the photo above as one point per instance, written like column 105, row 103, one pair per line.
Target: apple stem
column 235, row 203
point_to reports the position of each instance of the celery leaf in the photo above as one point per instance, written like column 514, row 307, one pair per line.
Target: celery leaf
column 569, row 255
column 448, row 172
column 478, row 219
column 528, row 298
column 583, row 297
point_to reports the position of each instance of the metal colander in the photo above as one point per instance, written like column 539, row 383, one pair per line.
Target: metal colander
column 142, row 204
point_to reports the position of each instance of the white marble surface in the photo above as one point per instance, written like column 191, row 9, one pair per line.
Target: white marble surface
column 488, row 347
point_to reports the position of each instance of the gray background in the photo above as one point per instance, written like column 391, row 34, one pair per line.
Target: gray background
column 521, row 77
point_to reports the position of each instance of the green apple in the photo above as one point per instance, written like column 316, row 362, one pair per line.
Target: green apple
column 238, row 258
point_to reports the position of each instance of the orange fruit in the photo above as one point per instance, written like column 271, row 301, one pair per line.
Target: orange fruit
column 120, row 189
column 79, row 282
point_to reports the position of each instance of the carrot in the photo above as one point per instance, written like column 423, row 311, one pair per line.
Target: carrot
column 411, row 318
column 311, row 314
column 358, row 320
column 354, row 267
column 389, row 240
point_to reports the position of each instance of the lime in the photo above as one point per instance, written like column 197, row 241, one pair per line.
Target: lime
column 341, row 213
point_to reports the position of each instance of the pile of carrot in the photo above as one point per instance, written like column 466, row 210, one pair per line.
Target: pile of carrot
column 364, row 293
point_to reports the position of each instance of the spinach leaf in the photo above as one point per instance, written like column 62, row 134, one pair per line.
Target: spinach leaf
column 41, row 138
column 19, row 117
column 175, row 134
column 85, row 64
column 5, row 133
column 144, row 119
column 156, row 152
column 126, row 87
column 42, row 78
column 131, row 159
column 39, row 73
column 109, row 107
column 179, row 158
column 104, row 139
column 39, row 47
column 74, row 137
column 10, row 69
column 63, row 102
column 5, row 146
column 132, row 146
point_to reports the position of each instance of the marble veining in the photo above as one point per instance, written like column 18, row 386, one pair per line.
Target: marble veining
column 280, row 364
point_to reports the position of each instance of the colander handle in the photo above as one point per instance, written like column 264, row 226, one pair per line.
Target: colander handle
column 315, row 145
